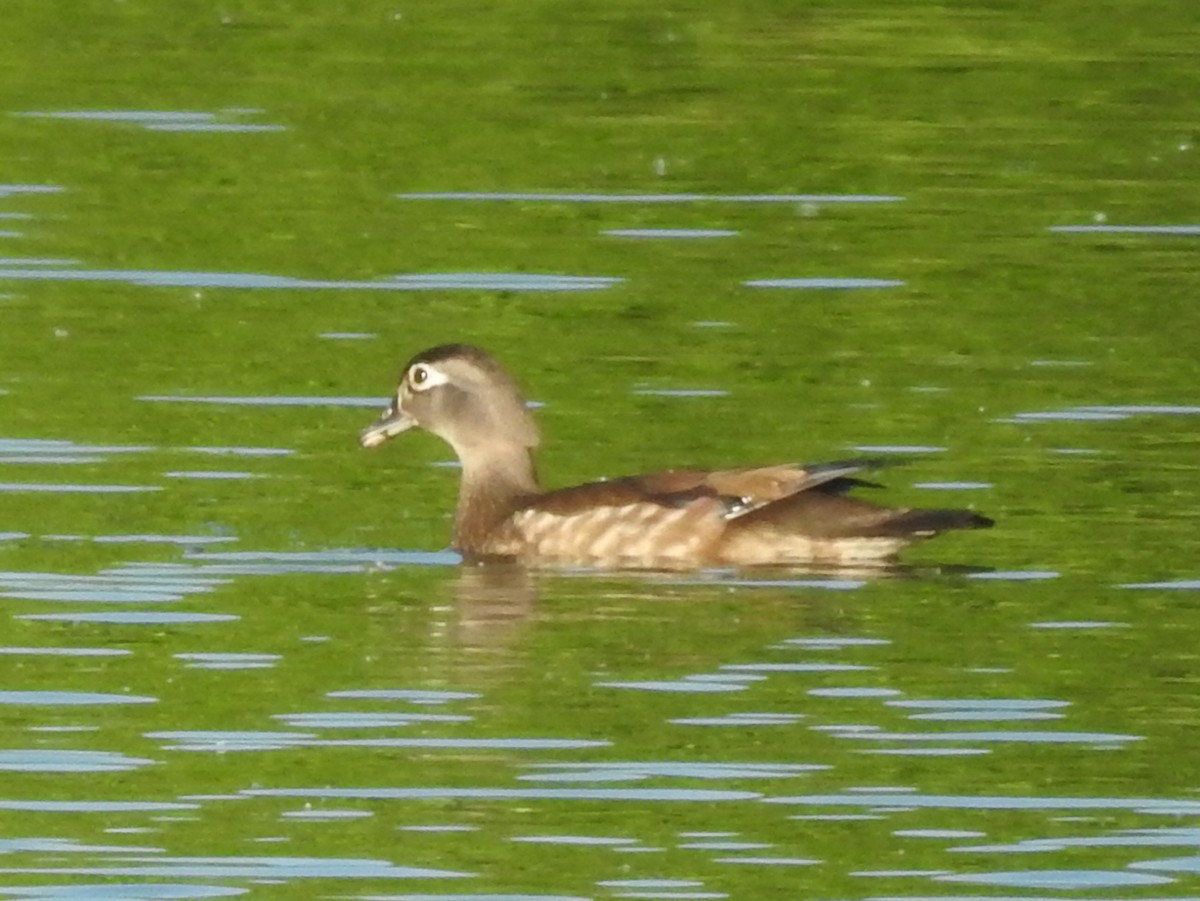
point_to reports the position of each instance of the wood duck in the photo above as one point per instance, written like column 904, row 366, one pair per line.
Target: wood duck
column 784, row 514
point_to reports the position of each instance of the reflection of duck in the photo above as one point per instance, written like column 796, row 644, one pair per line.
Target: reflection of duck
column 785, row 514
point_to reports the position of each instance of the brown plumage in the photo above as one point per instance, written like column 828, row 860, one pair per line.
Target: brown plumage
column 783, row 514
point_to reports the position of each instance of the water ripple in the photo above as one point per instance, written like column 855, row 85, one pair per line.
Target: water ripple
column 358, row 720
column 326, row 815
column 897, row 449
column 796, row 667
column 481, row 896
column 116, row 891
column 1177, row 585
column 685, row 686
column 1015, row 575
column 836, row 284
column 681, row 392
column 243, row 451
column 1103, row 413
column 284, row 868
column 270, row 400
column 1129, row 838
column 740, row 719
column 65, row 488
column 412, row 695
column 67, row 761
column 1058, row 879
column 66, row 652
column 1126, row 229
column 685, row 233
column 228, row 661
column 581, row 840
column 823, row 644
column 82, row 806
column 993, row 705
column 50, row 698
column 225, row 741
column 131, row 617
column 570, row 197
column 999, row 735
column 211, row 474
column 267, row 563
column 873, row 799
column 434, row 281
column 636, row 771
column 163, row 120
column 56, row 447
column 8, row 190
column 1171, row 864
column 511, row 794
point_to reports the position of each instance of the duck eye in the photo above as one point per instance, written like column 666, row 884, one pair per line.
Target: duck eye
column 423, row 377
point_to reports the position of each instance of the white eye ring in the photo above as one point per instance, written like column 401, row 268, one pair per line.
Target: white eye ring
column 422, row 377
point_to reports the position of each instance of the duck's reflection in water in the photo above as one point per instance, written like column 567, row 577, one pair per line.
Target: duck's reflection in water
column 493, row 600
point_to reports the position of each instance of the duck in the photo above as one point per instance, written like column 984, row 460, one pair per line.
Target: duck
column 785, row 514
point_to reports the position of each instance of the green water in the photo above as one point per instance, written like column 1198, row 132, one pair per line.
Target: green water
column 276, row 632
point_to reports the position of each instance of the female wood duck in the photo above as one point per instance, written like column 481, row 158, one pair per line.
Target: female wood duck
column 784, row 514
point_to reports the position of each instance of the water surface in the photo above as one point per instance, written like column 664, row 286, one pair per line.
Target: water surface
column 237, row 659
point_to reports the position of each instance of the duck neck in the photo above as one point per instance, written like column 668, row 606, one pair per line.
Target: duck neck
column 494, row 483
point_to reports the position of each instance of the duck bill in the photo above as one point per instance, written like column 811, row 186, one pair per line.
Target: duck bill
column 391, row 423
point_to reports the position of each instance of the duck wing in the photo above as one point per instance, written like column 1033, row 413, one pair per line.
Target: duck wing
column 753, row 489
column 828, row 513
column 737, row 492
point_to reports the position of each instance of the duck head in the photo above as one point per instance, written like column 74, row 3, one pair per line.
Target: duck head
column 461, row 394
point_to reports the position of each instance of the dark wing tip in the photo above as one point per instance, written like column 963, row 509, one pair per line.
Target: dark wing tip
column 979, row 521
column 931, row 522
